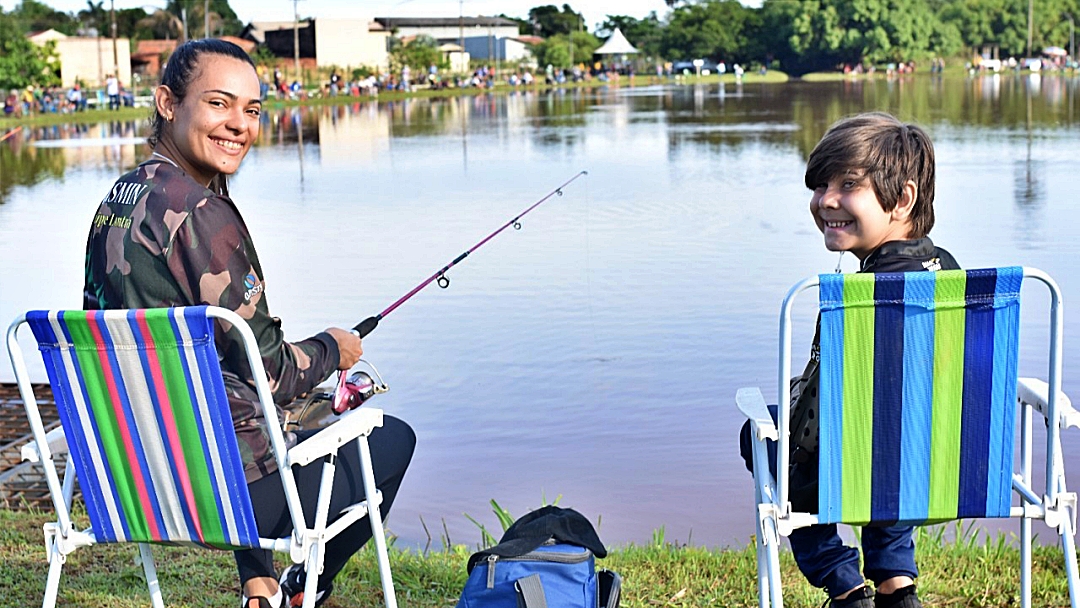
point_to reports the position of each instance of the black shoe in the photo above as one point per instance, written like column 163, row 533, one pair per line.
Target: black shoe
column 905, row 597
column 292, row 583
column 263, row 602
column 862, row 597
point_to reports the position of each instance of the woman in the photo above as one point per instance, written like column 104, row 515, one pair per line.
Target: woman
column 167, row 234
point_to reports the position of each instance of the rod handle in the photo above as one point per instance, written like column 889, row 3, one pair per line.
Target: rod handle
column 366, row 326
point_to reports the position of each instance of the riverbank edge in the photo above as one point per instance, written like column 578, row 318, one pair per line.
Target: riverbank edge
column 750, row 78
column 126, row 114
column 971, row 571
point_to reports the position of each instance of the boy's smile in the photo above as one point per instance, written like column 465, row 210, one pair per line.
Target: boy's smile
column 849, row 214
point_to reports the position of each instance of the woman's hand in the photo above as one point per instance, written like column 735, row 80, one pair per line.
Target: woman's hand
column 348, row 346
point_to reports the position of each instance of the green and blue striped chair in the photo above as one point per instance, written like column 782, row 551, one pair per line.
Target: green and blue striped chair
column 918, row 402
column 146, row 422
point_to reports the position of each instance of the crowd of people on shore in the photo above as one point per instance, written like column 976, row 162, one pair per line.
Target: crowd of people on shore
column 406, row 80
column 53, row 99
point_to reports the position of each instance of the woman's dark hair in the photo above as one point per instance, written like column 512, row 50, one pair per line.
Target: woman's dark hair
column 180, row 70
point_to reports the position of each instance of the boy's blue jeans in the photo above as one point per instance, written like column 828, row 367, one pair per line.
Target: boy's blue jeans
column 821, row 554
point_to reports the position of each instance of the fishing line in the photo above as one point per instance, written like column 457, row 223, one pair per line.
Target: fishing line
column 369, row 324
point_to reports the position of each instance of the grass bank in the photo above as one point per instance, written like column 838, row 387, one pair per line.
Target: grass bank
column 126, row 114
column 968, row 572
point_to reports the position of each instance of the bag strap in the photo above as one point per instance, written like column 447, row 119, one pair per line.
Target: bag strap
column 530, row 592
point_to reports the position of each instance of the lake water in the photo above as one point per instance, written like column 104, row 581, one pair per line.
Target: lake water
column 593, row 355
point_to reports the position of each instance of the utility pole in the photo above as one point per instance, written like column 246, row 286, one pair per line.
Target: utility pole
column 206, row 18
column 115, row 55
column 1031, row 24
column 1072, row 38
column 461, row 32
column 296, row 42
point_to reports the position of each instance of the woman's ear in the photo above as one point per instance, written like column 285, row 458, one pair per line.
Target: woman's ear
column 165, row 102
column 908, row 195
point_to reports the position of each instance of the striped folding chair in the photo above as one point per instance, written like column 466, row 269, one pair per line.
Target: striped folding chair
column 146, row 422
column 918, row 400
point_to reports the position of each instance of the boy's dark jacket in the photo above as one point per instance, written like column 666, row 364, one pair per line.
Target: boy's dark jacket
column 894, row 256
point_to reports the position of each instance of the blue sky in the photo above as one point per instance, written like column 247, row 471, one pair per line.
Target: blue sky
column 248, row 10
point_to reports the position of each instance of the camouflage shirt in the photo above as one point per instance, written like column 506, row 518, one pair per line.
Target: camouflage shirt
column 159, row 239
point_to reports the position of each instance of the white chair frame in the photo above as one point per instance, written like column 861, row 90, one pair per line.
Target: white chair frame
column 1056, row 507
column 305, row 545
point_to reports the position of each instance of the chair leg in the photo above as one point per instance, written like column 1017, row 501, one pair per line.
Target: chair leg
column 1068, row 538
column 150, row 571
column 762, row 566
column 772, row 553
column 312, row 568
column 374, row 500
column 52, row 582
column 1068, row 546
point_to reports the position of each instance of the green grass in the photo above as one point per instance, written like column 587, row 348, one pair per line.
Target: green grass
column 971, row 571
column 89, row 116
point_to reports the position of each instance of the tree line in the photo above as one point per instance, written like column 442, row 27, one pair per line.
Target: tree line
column 24, row 63
column 797, row 36
column 801, row 36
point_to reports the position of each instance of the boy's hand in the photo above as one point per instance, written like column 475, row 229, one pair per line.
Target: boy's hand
column 349, row 346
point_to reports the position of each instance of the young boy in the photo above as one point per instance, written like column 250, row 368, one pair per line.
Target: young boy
column 872, row 179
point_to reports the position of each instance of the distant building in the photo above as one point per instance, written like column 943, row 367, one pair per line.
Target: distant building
column 450, row 29
column 514, row 49
column 149, row 57
column 89, row 60
column 346, row 43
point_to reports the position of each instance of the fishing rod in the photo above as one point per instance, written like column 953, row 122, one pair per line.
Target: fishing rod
column 369, row 324
column 10, row 133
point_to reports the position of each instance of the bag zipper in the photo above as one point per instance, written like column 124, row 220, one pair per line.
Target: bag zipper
column 536, row 556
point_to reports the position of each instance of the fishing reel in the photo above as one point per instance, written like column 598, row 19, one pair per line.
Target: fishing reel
column 355, row 386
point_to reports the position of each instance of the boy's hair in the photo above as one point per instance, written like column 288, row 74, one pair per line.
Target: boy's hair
column 885, row 150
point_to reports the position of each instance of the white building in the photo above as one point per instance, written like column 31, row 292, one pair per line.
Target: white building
column 450, row 29
column 89, row 60
column 514, row 49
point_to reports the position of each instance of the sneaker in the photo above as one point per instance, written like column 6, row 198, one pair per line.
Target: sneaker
column 292, row 583
column 263, row 602
column 905, row 597
column 863, row 597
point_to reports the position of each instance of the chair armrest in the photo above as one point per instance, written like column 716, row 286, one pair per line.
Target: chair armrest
column 353, row 424
column 56, row 441
column 1036, row 393
column 752, row 405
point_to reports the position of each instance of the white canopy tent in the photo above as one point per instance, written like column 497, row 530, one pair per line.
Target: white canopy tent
column 617, row 44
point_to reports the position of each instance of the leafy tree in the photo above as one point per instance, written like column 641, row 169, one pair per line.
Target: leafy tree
column 549, row 21
column 94, row 17
column 524, row 25
column 645, row 34
column 34, row 16
column 419, row 54
column 127, row 23
column 563, row 51
column 160, row 25
column 223, row 20
column 1004, row 22
column 708, row 30
column 22, row 62
column 822, row 34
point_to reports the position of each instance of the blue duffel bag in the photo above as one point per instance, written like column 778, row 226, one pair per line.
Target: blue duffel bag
column 546, row 559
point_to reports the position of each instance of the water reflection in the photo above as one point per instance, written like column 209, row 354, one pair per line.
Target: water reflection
column 363, row 130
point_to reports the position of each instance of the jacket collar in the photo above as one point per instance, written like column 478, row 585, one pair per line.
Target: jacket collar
column 896, row 253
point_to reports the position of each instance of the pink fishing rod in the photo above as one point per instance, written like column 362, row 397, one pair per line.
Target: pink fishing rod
column 369, row 324
column 10, row 133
